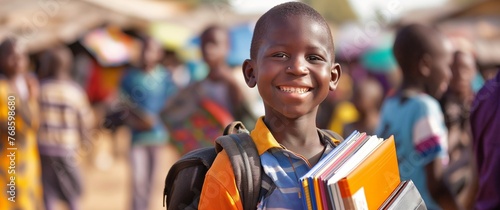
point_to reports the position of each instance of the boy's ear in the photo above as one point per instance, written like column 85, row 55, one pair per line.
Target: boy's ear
column 335, row 73
column 249, row 73
column 424, row 65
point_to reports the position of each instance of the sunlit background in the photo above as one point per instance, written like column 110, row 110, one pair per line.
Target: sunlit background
column 363, row 33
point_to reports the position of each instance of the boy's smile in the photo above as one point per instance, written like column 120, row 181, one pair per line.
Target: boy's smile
column 294, row 68
column 292, row 90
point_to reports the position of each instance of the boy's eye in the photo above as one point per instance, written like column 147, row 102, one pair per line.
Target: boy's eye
column 314, row 58
column 280, row 55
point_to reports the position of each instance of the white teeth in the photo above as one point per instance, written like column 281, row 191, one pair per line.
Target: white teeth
column 293, row 89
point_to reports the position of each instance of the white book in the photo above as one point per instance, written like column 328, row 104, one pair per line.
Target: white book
column 365, row 150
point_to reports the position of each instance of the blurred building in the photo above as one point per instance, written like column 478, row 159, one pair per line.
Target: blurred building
column 478, row 22
column 473, row 25
column 40, row 24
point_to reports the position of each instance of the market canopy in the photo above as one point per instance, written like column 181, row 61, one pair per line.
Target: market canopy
column 41, row 24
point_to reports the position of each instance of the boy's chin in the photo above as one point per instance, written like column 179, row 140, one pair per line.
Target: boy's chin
column 437, row 94
column 292, row 112
column 438, row 91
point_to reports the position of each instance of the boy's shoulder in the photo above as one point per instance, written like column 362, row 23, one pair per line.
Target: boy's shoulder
column 416, row 105
column 70, row 87
column 421, row 99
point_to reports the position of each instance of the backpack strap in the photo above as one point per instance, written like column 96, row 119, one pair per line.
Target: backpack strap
column 234, row 128
column 245, row 161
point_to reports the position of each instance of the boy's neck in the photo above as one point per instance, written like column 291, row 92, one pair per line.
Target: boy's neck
column 13, row 76
column 219, row 65
column 62, row 77
column 150, row 67
column 366, row 116
column 412, row 86
column 298, row 135
column 368, row 120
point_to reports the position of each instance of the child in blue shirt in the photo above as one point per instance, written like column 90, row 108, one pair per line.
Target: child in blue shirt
column 145, row 90
column 413, row 114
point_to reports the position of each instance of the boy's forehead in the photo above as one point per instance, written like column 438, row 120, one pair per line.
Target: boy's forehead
column 442, row 47
column 215, row 34
column 278, row 29
column 296, row 24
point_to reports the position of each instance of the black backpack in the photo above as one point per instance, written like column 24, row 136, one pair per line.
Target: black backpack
column 185, row 178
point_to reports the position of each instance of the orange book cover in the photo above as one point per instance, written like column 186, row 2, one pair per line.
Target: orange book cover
column 369, row 184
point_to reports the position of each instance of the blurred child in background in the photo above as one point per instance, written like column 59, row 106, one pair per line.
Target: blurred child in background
column 145, row 90
column 220, row 84
column 66, row 119
column 367, row 98
column 413, row 114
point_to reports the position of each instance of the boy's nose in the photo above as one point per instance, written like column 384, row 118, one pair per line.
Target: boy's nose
column 297, row 66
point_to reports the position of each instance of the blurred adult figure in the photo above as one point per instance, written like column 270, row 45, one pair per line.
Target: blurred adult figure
column 485, row 122
column 19, row 158
column 456, row 103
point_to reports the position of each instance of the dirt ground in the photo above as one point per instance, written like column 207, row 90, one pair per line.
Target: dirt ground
column 106, row 174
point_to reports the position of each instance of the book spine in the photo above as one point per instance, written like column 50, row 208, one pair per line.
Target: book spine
column 339, row 196
column 324, row 195
column 331, row 200
column 319, row 205
column 303, row 195
column 345, row 194
column 348, row 203
column 344, row 188
column 307, row 195
column 312, row 194
column 337, row 199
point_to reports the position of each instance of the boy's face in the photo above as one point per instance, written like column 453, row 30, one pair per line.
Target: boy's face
column 368, row 96
column 294, row 68
column 151, row 54
column 14, row 60
column 463, row 71
column 440, row 71
column 215, row 46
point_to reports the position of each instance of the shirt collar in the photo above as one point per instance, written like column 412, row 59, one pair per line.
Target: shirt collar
column 264, row 139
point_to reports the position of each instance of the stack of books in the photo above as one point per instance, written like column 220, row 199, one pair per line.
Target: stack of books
column 361, row 173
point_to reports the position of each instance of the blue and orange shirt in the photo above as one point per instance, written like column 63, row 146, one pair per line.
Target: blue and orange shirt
column 283, row 166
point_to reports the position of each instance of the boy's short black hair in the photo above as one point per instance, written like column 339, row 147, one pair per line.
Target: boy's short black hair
column 6, row 45
column 211, row 29
column 283, row 11
column 56, row 60
column 412, row 42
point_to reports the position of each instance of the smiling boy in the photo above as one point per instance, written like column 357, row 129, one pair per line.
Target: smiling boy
column 292, row 64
